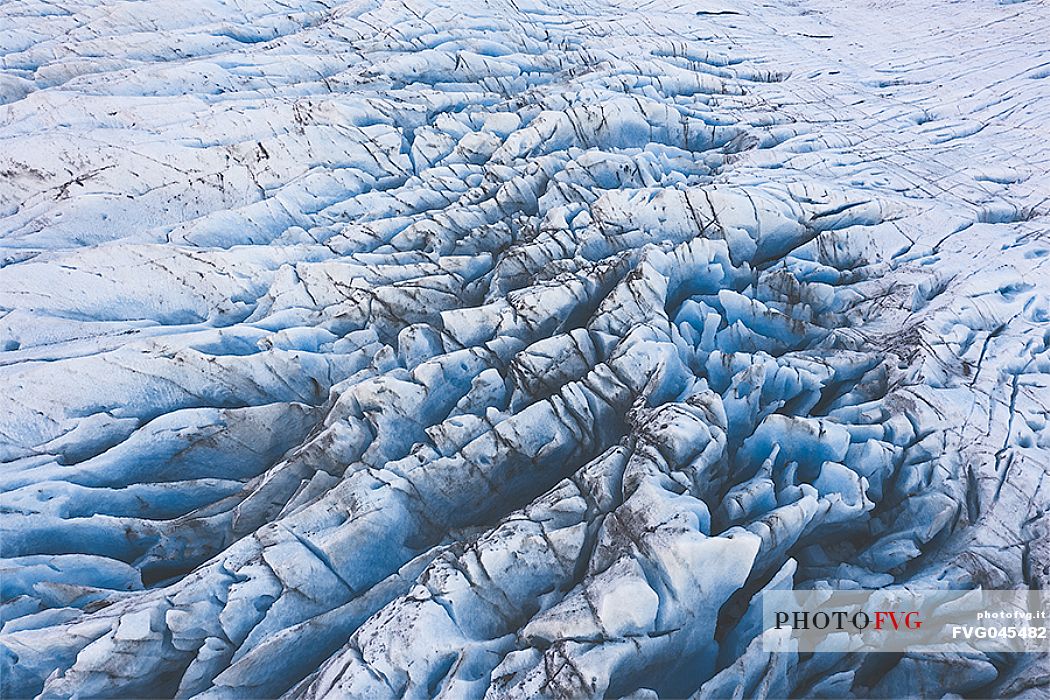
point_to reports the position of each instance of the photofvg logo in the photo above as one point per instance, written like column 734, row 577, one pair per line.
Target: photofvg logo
column 898, row 620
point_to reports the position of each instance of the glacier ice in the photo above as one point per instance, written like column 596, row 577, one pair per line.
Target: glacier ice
column 512, row 349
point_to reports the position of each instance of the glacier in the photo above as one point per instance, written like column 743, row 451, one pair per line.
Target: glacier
column 513, row 348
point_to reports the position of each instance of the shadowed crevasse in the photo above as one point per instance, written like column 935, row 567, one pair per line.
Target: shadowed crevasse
column 415, row 350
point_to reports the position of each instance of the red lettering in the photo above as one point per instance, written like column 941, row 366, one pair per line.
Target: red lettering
column 913, row 625
column 880, row 615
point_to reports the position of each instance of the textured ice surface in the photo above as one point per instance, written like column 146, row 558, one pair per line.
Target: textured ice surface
column 508, row 349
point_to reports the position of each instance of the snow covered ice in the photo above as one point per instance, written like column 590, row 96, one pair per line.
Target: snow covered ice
column 511, row 348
